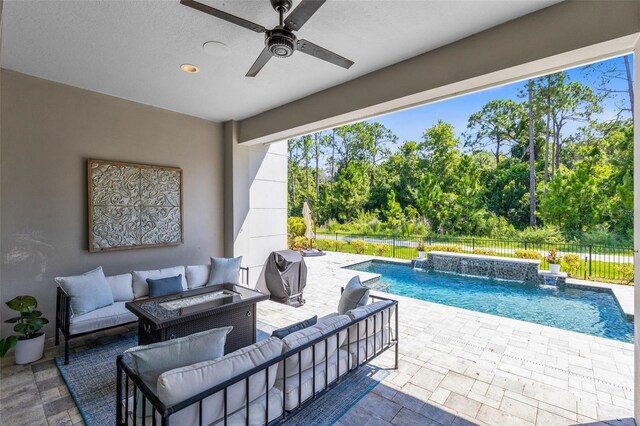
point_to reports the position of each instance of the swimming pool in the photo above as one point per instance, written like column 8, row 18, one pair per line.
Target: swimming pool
column 576, row 309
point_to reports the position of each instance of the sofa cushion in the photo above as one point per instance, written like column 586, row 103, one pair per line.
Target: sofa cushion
column 225, row 270
column 87, row 292
column 198, row 275
column 151, row 361
column 354, row 295
column 281, row 333
column 182, row 383
column 140, row 286
column 338, row 362
column 367, row 326
column 109, row 316
column 164, row 286
column 299, row 338
column 366, row 348
column 121, row 287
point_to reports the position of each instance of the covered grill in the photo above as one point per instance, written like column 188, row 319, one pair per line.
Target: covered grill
column 286, row 276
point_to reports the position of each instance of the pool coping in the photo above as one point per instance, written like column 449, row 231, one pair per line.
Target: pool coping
column 623, row 295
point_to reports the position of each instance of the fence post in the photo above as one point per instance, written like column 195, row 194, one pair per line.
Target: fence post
column 525, row 244
column 590, row 260
column 473, row 243
column 585, row 267
column 394, row 246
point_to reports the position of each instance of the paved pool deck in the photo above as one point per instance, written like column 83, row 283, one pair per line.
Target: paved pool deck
column 464, row 367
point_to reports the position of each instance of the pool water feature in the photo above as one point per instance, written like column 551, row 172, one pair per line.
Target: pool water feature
column 594, row 312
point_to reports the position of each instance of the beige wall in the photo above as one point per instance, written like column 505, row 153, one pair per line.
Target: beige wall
column 49, row 130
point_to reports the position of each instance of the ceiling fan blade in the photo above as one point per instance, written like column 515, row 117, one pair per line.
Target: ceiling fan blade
column 263, row 58
column 309, row 48
column 301, row 14
column 224, row 15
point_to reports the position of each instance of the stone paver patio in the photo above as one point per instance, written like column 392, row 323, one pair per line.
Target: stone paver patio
column 456, row 367
column 464, row 367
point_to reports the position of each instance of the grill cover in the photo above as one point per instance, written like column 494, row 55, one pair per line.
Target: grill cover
column 286, row 276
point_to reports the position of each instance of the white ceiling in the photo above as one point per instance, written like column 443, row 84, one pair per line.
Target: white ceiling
column 133, row 49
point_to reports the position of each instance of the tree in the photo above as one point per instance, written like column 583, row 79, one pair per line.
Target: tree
column 607, row 73
column 494, row 126
column 393, row 213
column 532, row 158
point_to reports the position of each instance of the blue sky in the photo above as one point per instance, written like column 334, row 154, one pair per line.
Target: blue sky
column 410, row 124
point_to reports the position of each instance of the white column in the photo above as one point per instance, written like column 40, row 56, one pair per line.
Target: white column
column 636, row 226
column 256, row 201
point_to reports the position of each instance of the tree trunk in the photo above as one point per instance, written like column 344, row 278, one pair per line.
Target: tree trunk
column 546, row 146
column 627, row 67
column 497, row 149
column 315, row 207
column 532, row 164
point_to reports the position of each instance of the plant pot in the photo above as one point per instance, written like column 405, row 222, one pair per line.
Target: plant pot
column 421, row 254
column 30, row 350
column 554, row 268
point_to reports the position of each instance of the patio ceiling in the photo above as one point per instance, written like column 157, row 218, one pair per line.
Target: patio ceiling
column 133, row 49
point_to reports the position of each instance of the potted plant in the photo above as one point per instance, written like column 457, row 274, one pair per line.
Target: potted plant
column 421, row 248
column 554, row 261
column 30, row 340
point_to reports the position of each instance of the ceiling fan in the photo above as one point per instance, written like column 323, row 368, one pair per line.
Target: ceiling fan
column 279, row 42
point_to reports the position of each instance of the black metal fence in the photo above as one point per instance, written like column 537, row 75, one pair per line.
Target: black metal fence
column 585, row 261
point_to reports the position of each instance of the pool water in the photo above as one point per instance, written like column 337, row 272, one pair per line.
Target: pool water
column 576, row 309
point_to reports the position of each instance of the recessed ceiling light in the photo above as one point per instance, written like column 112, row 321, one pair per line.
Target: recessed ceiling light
column 189, row 68
column 215, row 48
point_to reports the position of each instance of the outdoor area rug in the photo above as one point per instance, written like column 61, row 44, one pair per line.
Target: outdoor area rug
column 91, row 380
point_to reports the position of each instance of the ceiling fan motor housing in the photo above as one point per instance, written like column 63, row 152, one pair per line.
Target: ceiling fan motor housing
column 280, row 43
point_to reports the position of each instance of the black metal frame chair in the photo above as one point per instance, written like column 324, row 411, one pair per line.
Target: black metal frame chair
column 128, row 383
column 63, row 317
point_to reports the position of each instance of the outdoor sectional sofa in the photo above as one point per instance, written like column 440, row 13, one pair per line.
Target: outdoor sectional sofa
column 125, row 288
column 278, row 377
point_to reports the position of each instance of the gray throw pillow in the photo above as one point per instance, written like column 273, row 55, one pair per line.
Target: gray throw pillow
column 151, row 361
column 87, row 292
column 354, row 295
column 281, row 333
column 225, row 271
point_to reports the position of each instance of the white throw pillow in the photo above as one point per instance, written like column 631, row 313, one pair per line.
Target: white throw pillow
column 121, row 287
column 198, row 275
column 225, row 270
column 140, row 286
column 87, row 292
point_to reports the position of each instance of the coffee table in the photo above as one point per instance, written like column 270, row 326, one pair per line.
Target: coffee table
column 177, row 315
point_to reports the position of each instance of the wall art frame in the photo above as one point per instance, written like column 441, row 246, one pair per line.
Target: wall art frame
column 132, row 205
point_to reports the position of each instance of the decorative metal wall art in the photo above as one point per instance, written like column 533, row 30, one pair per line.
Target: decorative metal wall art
column 133, row 206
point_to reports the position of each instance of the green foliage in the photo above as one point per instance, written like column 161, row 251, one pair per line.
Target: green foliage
column 527, row 254
column 296, row 227
column 299, row 243
column 359, row 246
column 30, row 321
column 542, row 235
column 381, row 249
column 553, row 256
column 582, row 169
column 571, row 263
column 340, row 245
column 485, row 252
column 6, row 344
column 626, row 271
